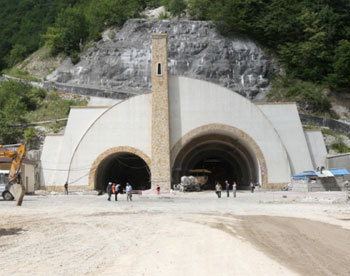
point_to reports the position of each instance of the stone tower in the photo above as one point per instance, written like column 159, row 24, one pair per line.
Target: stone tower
column 161, row 173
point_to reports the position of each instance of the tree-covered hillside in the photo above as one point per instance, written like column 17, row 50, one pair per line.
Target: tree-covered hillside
column 310, row 37
column 22, row 24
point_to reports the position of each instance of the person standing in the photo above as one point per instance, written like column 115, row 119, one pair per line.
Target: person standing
column 252, row 187
column 117, row 191
column 227, row 188
column 158, row 189
column 109, row 190
column 218, row 189
column 128, row 192
column 234, row 188
column 66, row 188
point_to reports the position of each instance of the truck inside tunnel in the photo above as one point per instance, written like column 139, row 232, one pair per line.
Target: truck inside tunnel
column 121, row 168
column 224, row 157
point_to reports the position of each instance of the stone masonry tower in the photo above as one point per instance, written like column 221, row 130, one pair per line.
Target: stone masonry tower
column 161, row 173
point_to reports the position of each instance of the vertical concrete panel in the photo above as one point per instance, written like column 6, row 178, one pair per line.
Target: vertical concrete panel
column 285, row 120
column 317, row 147
column 49, row 160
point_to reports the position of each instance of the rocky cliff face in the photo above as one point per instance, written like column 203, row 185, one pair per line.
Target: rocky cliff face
column 122, row 60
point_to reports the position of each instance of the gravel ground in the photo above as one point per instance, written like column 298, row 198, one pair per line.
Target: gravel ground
column 265, row 233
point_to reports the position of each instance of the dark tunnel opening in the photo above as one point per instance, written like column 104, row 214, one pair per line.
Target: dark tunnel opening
column 224, row 157
column 122, row 168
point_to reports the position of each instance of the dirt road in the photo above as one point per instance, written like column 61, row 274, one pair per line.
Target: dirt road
column 194, row 234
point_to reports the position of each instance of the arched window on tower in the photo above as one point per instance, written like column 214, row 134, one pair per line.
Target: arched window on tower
column 159, row 69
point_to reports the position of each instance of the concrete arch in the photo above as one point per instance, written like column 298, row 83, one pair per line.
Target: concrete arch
column 228, row 131
column 111, row 151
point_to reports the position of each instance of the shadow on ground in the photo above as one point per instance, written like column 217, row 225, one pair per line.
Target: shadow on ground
column 10, row 231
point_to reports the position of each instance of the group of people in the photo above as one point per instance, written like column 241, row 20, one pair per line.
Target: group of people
column 218, row 188
column 113, row 188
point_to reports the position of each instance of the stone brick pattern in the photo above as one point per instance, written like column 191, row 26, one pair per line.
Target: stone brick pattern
column 161, row 173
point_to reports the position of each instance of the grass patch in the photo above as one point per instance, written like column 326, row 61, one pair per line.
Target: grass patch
column 339, row 146
column 311, row 127
column 54, row 106
column 327, row 131
column 21, row 74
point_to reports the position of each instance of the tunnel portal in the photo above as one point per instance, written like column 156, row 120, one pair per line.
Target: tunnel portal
column 225, row 157
column 123, row 167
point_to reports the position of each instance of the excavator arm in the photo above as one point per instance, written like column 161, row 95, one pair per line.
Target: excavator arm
column 17, row 157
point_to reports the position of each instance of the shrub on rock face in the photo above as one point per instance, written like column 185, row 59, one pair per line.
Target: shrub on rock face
column 309, row 96
column 339, row 146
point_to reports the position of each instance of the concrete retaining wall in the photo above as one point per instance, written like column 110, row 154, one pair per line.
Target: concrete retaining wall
column 330, row 123
column 339, row 161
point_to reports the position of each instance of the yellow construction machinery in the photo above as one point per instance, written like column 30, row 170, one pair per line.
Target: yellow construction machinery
column 16, row 153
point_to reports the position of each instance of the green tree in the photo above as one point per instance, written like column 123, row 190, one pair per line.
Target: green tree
column 340, row 78
column 102, row 14
column 23, row 22
column 200, row 9
column 12, row 113
column 29, row 134
column 176, row 7
column 68, row 32
column 308, row 59
column 21, row 92
column 17, row 54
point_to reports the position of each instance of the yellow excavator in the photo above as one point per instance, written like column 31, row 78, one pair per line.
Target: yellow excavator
column 16, row 153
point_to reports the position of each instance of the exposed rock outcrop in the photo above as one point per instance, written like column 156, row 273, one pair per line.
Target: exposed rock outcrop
column 122, row 60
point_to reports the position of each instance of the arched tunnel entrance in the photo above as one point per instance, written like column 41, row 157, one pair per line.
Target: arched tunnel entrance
column 225, row 157
column 123, row 167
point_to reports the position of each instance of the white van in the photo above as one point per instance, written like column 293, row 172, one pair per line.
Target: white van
column 4, row 176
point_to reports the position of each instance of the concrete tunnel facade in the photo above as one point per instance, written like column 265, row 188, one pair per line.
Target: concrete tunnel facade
column 209, row 127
